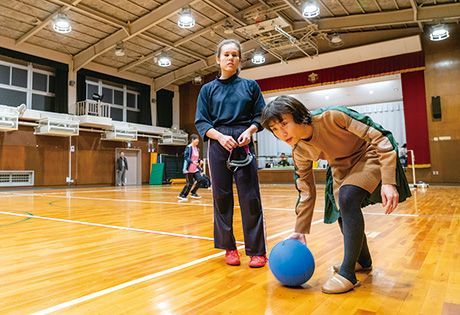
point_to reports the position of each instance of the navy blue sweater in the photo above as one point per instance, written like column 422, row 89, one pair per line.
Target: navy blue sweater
column 231, row 102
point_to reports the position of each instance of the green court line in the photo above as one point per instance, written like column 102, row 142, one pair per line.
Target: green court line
column 31, row 215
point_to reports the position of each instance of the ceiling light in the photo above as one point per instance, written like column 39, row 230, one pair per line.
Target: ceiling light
column 335, row 40
column 197, row 80
column 258, row 58
column 62, row 24
column 310, row 10
column 326, row 97
column 164, row 61
column 439, row 32
column 120, row 50
column 228, row 28
column 186, row 19
column 371, row 92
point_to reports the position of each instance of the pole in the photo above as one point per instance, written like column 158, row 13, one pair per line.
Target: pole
column 413, row 165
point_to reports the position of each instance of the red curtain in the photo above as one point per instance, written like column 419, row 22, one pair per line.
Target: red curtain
column 415, row 116
column 351, row 72
column 410, row 66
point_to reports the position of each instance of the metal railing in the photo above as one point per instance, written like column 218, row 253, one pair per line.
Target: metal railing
column 93, row 108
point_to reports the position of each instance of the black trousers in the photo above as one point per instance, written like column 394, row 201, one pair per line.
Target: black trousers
column 247, row 184
column 191, row 178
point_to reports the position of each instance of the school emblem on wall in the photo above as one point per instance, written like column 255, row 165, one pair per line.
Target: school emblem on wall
column 313, row 77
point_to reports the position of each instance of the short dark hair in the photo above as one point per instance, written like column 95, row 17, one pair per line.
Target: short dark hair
column 285, row 105
column 193, row 137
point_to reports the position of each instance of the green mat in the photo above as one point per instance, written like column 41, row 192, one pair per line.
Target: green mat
column 156, row 176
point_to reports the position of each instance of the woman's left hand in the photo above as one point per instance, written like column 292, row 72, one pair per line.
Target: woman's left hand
column 390, row 198
column 246, row 137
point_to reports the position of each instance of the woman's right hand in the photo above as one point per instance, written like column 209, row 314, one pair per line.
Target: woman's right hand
column 227, row 142
column 298, row 236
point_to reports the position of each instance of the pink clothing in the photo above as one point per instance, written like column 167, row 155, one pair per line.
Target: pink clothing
column 195, row 157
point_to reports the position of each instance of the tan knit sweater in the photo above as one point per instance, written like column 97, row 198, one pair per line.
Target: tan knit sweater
column 357, row 154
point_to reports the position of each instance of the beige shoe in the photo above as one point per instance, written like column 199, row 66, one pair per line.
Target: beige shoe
column 338, row 284
column 358, row 267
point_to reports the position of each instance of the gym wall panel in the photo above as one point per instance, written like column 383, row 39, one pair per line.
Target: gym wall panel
column 442, row 78
column 93, row 162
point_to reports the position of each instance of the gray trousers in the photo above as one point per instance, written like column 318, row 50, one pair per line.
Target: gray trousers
column 121, row 176
column 247, row 184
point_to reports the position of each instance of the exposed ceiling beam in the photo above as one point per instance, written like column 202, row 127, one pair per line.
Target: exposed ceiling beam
column 414, row 7
column 425, row 14
column 88, row 11
column 183, row 72
column 236, row 16
column 37, row 28
column 176, row 44
column 170, row 46
column 45, row 22
column 199, row 33
column 297, row 10
column 137, row 27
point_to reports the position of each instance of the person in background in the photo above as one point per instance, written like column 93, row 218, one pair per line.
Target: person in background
column 228, row 114
column 283, row 161
column 122, row 167
column 191, row 169
column 403, row 155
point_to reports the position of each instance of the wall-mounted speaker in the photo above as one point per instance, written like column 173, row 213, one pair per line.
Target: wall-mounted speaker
column 436, row 107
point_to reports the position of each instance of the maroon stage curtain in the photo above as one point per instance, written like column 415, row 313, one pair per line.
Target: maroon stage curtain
column 415, row 116
column 410, row 66
column 351, row 72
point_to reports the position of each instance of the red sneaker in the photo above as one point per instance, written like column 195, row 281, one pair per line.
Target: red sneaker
column 232, row 257
column 258, row 261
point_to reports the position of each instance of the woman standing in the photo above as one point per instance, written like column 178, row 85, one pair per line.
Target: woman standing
column 191, row 169
column 228, row 114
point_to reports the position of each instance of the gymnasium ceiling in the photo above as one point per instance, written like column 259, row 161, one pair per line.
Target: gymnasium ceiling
column 148, row 28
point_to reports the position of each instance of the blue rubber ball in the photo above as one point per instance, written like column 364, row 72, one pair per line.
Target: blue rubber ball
column 291, row 262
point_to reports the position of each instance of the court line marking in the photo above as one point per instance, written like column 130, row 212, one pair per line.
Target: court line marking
column 30, row 216
column 112, row 226
column 142, row 279
column 190, row 204
column 194, row 204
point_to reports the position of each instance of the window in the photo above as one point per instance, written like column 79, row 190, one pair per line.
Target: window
column 118, row 97
column 19, row 77
column 26, row 84
column 4, row 75
column 40, row 82
column 132, row 100
column 123, row 100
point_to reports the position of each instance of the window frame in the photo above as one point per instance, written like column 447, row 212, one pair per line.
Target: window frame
column 29, row 89
column 125, row 89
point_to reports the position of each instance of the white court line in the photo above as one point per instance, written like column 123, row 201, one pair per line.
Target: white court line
column 112, row 226
column 193, row 204
column 143, row 279
column 372, row 234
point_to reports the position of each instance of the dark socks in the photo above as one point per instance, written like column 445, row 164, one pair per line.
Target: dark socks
column 352, row 226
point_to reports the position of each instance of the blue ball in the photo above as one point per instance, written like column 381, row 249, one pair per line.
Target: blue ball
column 291, row 262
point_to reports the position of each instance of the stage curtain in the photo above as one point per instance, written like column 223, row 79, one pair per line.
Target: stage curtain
column 351, row 72
column 415, row 115
column 61, row 95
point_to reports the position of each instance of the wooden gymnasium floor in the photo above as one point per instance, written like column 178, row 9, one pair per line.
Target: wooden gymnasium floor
column 137, row 250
